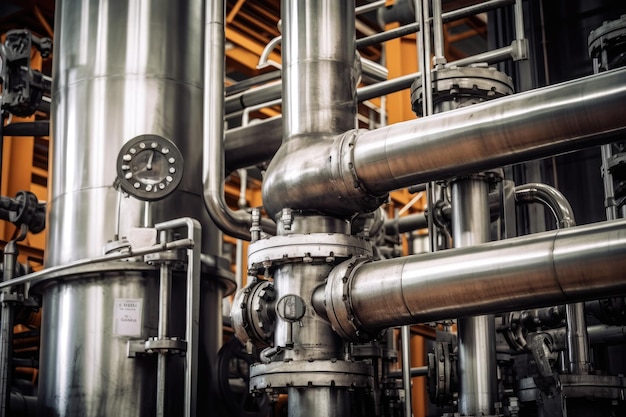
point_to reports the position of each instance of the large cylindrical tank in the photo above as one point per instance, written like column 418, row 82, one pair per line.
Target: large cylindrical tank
column 121, row 69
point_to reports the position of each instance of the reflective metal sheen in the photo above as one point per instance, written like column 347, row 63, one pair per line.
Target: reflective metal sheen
column 471, row 220
column 121, row 69
column 319, row 98
column 569, row 265
column 517, row 128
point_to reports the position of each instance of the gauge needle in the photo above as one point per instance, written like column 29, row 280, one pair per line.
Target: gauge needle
column 149, row 165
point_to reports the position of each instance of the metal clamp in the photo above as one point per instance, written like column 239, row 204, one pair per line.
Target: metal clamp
column 10, row 297
column 166, row 345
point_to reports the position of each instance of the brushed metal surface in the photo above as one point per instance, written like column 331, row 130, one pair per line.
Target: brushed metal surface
column 121, row 69
column 564, row 266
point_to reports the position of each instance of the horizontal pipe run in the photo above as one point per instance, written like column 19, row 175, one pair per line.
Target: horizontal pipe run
column 251, row 82
column 254, row 144
column 252, row 97
column 405, row 224
column 490, row 57
column 604, row 334
column 38, row 128
column 517, row 128
column 556, row 267
column 524, row 194
column 446, row 17
column 369, row 7
column 415, row 371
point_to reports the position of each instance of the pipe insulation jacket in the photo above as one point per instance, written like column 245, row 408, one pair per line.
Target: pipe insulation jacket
column 550, row 268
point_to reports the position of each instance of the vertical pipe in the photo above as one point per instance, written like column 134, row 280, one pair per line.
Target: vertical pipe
column 607, row 180
column 239, row 268
column 440, row 57
column 423, row 49
column 1, row 143
column 577, row 339
column 477, row 363
column 192, row 333
column 423, row 53
column 6, row 328
column 318, row 402
column 519, row 20
column 405, row 335
column 234, row 223
column 165, row 284
column 319, row 85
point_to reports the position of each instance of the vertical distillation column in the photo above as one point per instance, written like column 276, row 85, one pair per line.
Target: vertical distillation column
column 476, row 335
column 121, row 69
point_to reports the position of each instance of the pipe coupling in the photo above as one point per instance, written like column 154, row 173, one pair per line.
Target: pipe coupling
column 338, row 302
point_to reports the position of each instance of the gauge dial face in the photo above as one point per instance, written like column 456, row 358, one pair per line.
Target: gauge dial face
column 149, row 167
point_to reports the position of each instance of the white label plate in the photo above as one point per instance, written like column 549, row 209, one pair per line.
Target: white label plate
column 127, row 316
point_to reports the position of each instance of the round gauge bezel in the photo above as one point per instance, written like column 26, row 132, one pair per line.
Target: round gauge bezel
column 139, row 188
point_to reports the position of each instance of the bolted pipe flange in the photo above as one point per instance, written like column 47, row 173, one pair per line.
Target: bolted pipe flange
column 253, row 313
column 346, row 145
column 166, row 345
column 277, row 376
column 338, row 304
column 442, row 380
column 461, row 86
column 607, row 43
column 308, row 248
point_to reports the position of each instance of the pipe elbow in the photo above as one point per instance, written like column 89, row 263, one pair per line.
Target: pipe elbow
column 233, row 223
column 316, row 173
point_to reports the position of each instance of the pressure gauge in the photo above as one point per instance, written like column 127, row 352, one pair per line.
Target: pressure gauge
column 149, row 167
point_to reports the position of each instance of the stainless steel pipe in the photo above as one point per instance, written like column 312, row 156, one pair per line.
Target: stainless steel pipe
column 563, row 266
column 234, row 223
column 319, row 95
column 529, row 125
column 255, row 144
column 550, row 197
column 165, row 288
column 471, row 220
column 355, row 173
column 446, row 17
column 577, row 338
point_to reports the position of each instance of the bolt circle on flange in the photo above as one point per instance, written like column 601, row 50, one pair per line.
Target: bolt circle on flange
column 276, row 376
column 462, row 86
column 310, row 247
column 253, row 313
